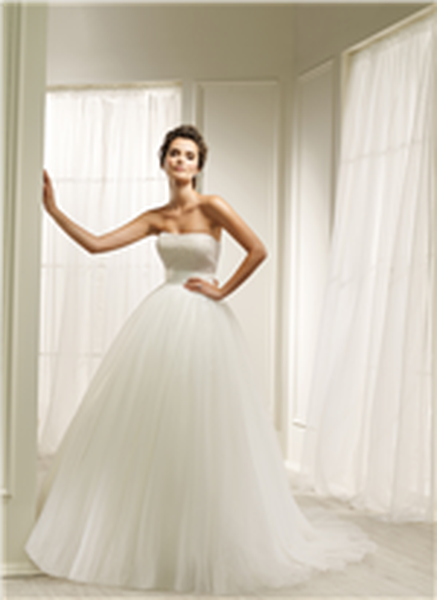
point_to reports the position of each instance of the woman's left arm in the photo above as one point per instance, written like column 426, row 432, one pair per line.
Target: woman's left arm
column 220, row 212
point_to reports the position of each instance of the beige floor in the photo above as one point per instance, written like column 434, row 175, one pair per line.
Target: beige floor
column 401, row 567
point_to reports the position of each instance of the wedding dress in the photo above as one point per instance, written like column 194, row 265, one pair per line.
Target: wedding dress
column 170, row 475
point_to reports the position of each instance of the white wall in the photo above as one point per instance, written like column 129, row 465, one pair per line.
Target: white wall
column 139, row 42
column 245, row 169
column 324, row 30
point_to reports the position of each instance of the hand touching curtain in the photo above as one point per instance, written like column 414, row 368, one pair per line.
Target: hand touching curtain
column 101, row 149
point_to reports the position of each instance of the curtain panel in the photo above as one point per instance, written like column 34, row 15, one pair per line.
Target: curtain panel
column 369, row 420
column 101, row 149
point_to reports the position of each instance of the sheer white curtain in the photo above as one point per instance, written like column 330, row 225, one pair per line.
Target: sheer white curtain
column 368, row 430
column 101, row 150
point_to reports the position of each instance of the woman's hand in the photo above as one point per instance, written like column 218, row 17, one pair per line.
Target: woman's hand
column 124, row 235
column 201, row 286
column 48, row 194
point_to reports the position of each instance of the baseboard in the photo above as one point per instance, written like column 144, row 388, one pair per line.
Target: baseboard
column 19, row 569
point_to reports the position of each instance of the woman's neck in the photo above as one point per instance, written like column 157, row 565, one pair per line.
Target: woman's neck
column 181, row 194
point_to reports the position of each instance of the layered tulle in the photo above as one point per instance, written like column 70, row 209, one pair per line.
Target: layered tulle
column 170, row 475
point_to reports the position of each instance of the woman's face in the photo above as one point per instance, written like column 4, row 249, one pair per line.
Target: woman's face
column 182, row 159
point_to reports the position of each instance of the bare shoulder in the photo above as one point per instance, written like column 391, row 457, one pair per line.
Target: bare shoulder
column 214, row 205
column 222, row 214
column 155, row 217
column 211, row 199
column 157, row 210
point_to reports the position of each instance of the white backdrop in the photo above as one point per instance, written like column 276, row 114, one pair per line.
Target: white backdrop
column 101, row 150
column 368, row 427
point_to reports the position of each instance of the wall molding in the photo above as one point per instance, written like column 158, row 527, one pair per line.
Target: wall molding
column 25, row 51
column 303, row 81
column 200, row 87
column 18, row 569
column 12, row 54
column 310, row 74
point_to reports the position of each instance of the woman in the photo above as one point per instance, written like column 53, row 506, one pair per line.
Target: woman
column 170, row 476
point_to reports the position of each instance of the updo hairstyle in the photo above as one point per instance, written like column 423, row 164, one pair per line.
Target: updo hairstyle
column 188, row 132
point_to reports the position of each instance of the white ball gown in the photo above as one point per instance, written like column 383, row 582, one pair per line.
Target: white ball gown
column 170, row 476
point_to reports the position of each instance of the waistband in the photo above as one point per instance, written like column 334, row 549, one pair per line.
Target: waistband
column 177, row 276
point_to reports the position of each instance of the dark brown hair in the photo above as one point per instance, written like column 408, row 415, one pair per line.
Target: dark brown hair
column 188, row 132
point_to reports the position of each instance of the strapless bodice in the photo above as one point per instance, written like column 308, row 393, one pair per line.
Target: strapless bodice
column 188, row 255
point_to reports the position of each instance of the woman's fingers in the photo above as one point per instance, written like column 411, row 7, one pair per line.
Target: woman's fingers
column 48, row 194
column 194, row 283
column 211, row 290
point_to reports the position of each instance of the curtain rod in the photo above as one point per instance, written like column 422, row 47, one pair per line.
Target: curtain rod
column 113, row 86
column 416, row 16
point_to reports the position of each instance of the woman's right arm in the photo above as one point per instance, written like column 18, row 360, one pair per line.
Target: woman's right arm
column 128, row 233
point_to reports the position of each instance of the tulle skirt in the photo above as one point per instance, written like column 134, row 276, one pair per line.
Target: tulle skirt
column 170, row 476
